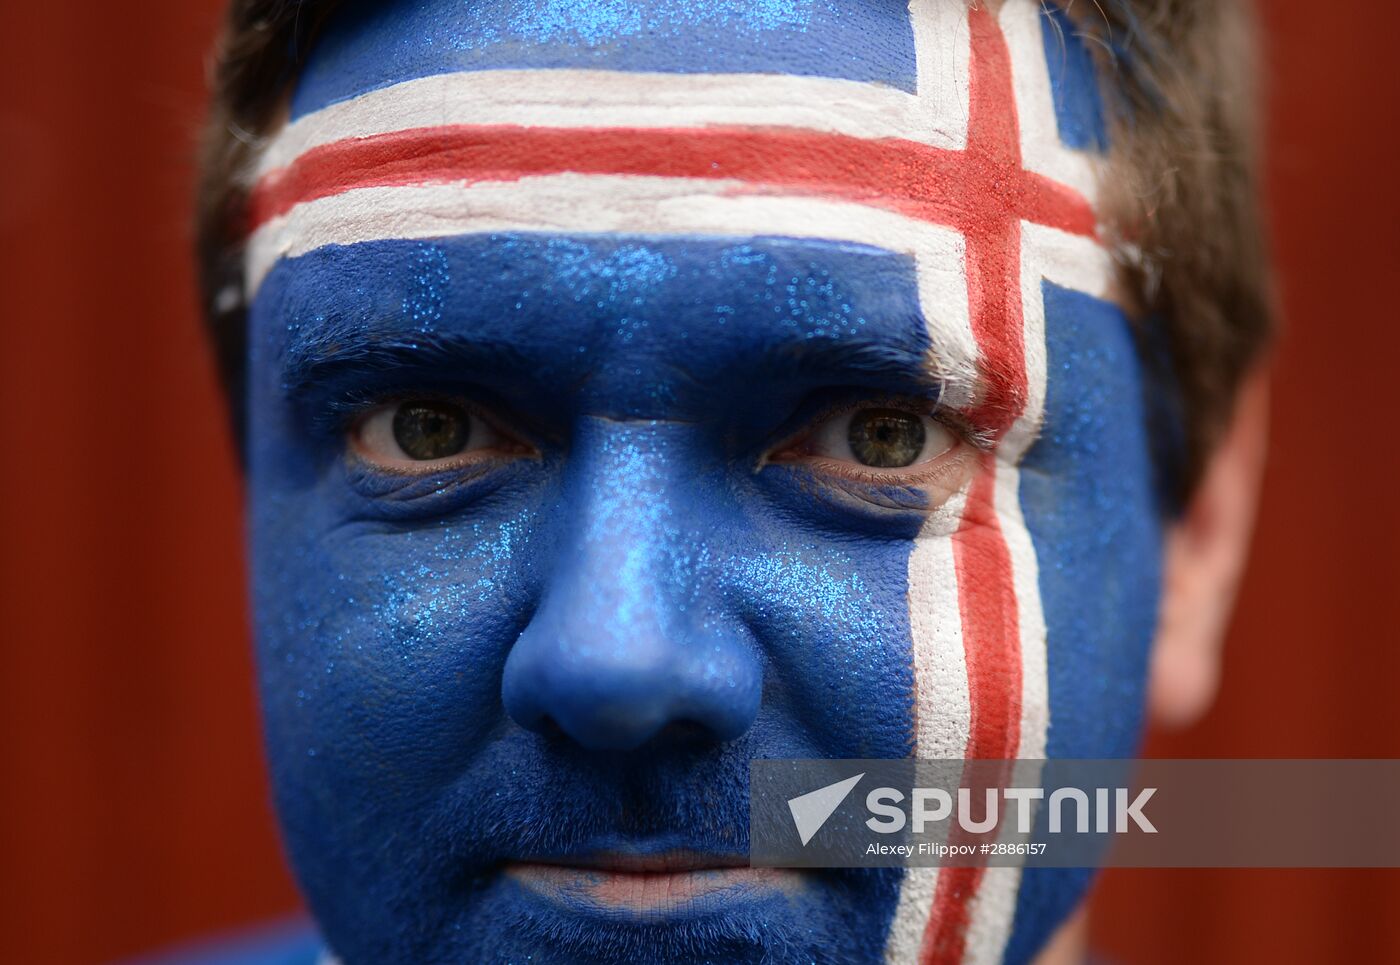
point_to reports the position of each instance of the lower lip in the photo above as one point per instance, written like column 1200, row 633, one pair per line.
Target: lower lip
column 649, row 892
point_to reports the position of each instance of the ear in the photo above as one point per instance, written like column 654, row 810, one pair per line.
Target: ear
column 1204, row 558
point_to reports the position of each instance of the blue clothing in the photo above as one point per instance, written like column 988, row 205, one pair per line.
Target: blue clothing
column 290, row 942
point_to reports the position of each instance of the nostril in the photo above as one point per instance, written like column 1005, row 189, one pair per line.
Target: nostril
column 685, row 733
column 548, row 728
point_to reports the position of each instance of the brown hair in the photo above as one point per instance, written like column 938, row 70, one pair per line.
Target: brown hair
column 1181, row 195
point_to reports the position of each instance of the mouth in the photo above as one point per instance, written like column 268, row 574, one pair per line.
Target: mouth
column 671, row 883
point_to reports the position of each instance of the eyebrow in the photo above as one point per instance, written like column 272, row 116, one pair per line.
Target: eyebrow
column 312, row 363
column 832, row 358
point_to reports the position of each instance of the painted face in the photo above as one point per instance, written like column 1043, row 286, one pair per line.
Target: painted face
column 637, row 389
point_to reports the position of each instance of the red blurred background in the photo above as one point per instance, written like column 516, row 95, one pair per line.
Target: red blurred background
column 133, row 803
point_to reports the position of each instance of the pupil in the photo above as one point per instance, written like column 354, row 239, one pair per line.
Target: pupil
column 429, row 429
column 886, row 438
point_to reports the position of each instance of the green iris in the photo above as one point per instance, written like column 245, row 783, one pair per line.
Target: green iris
column 427, row 429
column 886, row 438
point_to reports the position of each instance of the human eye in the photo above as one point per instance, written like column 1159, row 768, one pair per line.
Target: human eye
column 870, row 447
column 429, row 434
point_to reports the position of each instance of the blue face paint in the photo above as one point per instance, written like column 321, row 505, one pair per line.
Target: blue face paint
column 1074, row 83
column 580, row 651
column 373, row 44
column 1092, row 508
column 638, row 594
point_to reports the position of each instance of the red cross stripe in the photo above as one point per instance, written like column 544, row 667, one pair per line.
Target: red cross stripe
column 986, row 588
column 983, row 191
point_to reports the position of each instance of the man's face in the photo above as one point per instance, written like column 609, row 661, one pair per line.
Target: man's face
column 640, row 389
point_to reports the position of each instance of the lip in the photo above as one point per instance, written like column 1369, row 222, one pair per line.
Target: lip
column 669, row 883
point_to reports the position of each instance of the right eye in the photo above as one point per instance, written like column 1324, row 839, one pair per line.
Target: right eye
column 873, row 442
column 427, row 434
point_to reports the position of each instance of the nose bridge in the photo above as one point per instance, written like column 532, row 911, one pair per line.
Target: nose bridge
column 636, row 542
column 629, row 636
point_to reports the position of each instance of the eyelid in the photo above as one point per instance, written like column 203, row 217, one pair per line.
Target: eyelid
column 925, row 485
column 331, row 409
column 363, row 412
column 924, row 407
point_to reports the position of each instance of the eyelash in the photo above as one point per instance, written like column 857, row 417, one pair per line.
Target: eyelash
column 902, row 477
column 349, row 414
column 949, row 419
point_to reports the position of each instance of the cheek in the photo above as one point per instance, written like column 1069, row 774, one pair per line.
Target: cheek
column 380, row 643
column 832, row 617
column 382, row 652
column 1093, row 510
column 943, row 710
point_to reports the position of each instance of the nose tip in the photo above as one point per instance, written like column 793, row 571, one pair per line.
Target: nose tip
column 618, row 694
column 633, row 632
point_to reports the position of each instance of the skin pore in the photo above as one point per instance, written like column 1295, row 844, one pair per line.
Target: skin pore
column 638, row 390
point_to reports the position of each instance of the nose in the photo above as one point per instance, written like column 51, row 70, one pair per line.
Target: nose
column 628, row 638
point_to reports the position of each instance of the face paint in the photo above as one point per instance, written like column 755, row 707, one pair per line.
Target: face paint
column 649, row 244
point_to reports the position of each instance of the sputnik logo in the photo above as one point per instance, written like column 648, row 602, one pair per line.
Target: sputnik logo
column 811, row 810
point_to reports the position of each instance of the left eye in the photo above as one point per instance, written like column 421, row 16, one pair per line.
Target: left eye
column 423, row 434
column 875, row 438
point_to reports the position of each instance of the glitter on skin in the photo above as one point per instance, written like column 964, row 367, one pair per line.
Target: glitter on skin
column 423, row 304
column 552, row 21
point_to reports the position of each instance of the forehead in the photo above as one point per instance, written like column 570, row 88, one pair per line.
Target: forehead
column 376, row 44
column 628, row 327
column 948, row 136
